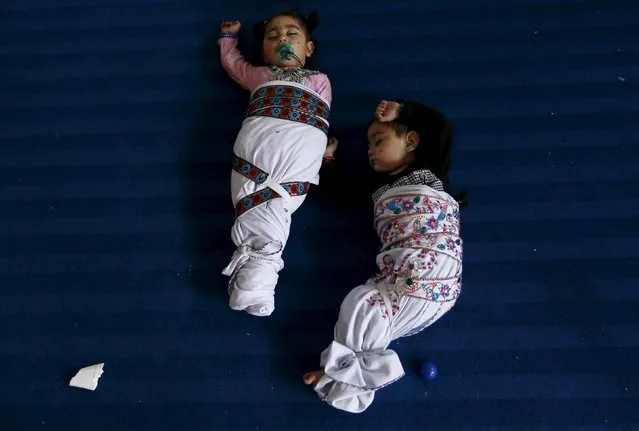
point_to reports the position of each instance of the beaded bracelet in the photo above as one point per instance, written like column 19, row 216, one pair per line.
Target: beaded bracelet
column 231, row 34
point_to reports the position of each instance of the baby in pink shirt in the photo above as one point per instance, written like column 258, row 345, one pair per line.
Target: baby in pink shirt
column 287, row 28
column 278, row 151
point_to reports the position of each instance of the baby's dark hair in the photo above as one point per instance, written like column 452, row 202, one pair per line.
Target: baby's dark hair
column 307, row 23
column 436, row 133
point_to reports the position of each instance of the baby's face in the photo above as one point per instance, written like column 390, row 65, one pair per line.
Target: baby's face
column 281, row 30
column 388, row 152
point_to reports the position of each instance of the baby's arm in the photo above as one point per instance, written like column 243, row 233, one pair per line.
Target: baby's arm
column 322, row 86
column 240, row 70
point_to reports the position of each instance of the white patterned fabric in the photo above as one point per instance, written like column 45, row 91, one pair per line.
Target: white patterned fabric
column 287, row 151
column 419, row 280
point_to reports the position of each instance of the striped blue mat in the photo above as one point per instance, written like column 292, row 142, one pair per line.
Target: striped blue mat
column 116, row 129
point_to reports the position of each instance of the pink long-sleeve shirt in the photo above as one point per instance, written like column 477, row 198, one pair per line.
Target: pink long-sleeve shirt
column 249, row 77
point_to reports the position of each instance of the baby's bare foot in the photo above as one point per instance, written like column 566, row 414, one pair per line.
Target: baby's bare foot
column 313, row 377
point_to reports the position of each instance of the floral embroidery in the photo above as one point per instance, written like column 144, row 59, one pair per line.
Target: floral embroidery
column 296, row 188
column 249, row 170
column 405, row 204
column 255, row 174
column 451, row 243
column 289, row 103
column 432, row 224
column 423, row 204
column 421, row 228
column 376, row 299
column 419, row 221
column 432, row 290
column 286, row 95
column 409, row 277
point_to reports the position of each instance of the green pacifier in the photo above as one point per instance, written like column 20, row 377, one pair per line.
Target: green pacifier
column 285, row 51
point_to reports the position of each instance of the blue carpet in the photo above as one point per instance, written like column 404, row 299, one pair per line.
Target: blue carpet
column 116, row 129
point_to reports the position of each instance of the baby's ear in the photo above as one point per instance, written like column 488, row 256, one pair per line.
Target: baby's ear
column 412, row 141
column 310, row 48
column 312, row 21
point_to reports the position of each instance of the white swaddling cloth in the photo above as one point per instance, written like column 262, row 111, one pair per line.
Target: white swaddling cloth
column 287, row 151
column 420, row 266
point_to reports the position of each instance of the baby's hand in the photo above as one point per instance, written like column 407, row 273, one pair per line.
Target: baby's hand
column 387, row 111
column 331, row 147
column 230, row 27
